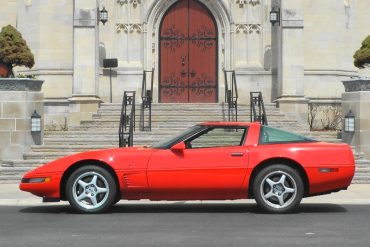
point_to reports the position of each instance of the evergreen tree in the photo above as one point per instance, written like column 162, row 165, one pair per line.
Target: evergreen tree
column 14, row 50
column 362, row 55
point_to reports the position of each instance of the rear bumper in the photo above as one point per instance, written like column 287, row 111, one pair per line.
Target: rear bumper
column 323, row 182
column 50, row 189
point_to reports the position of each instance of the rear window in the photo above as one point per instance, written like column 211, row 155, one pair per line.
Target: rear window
column 270, row 135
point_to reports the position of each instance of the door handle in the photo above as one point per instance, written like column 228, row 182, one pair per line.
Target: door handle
column 238, row 154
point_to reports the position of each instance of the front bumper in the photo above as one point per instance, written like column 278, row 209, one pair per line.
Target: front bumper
column 47, row 189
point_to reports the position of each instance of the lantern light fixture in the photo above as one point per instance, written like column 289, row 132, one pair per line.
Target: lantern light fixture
column 349, row 122
column 102, row 16
column 35, row 122
column 275, row 16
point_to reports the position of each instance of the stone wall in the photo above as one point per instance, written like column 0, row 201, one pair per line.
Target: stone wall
column 357, row 100
column 16, row 107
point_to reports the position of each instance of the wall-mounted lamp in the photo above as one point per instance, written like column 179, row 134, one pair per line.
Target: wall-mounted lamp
column 102, row 16
column 349, row 122
column 275, row 16
column 35, row 122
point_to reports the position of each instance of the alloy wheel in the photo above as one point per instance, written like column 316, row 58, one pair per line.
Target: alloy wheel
column 278, row 189
column 90, row 190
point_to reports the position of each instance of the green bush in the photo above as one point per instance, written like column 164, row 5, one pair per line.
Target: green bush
column 362, row 55
column 13, row 48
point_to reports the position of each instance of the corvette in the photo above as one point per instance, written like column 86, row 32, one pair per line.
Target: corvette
column 209, row 161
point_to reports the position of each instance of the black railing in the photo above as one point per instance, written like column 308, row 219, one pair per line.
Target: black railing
column 257, row 108
column 231, row 94
column 147, row 99
column 127, row 120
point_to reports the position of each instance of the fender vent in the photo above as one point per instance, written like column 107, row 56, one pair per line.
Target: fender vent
column 126, row 180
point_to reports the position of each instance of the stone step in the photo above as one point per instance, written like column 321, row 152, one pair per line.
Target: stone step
column 45, row 155
column 14, row 171
column 107, row 106
column 171, row 112
column 359, row 179
column 172, row 125
column 363, row 170
column 11, row 179
column 25, row 163
column 201, row 117
column 193, row 119
column 363, row 162
column 69, row 148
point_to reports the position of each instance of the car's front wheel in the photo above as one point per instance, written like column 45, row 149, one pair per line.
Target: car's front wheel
column 91, row 189
column 278, row 189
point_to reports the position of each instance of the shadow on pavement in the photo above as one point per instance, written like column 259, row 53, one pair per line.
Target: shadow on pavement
column 187, row 208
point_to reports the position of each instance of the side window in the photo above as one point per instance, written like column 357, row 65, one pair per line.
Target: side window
column 218, row 137
column 270, row 135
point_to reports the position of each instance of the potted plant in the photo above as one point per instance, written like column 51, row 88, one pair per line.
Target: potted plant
column 14, row 51
column 362, row 55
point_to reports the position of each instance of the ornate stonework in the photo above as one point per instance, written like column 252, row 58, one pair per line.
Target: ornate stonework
column 129, row 27
column 241, row 3
column 135, row 3
column 248, row 28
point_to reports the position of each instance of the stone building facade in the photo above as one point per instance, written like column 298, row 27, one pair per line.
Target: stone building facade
column 302, row 59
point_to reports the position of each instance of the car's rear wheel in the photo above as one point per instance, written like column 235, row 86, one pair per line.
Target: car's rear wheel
column 91, row 189
column 278, row 189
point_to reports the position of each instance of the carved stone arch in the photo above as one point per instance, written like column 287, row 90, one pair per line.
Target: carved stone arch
column 154, row 12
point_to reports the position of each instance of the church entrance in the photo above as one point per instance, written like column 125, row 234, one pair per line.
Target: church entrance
column 188, row 54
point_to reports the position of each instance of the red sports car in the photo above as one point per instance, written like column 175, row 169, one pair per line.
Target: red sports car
column 210, row 161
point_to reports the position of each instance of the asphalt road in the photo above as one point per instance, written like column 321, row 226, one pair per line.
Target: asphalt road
column 186, row 224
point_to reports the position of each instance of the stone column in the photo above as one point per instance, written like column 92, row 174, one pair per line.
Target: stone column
column 357, row 99
column 291, row 98
column 85, row 100
column 18, row 100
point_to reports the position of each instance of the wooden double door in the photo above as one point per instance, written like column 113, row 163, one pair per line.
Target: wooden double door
column 188, row 54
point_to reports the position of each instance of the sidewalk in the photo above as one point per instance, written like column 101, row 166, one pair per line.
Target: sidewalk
column 10, row 195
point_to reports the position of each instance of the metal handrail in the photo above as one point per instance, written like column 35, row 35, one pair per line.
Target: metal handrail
column 257, row 108
column 127, row 121
column 231, row 94
column 147, row 99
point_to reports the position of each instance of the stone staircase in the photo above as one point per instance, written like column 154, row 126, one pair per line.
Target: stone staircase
column 167, row 119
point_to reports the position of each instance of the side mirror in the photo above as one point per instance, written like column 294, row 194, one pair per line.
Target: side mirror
column 179, row 147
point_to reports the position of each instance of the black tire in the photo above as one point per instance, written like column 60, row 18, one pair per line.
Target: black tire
column 81, row 189
column 275, row 195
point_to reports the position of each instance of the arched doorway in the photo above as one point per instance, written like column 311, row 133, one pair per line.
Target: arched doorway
column 188, row 54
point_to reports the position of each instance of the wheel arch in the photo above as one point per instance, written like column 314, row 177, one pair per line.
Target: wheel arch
column 80, row 164
column 283, row 161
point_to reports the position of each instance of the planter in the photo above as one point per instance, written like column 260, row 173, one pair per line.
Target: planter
column 20, row 84
column 357, row 85
column 5, row 70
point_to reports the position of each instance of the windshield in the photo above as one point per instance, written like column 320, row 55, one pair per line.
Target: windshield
column 167, row 143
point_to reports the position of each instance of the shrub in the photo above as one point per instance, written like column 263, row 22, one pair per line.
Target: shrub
column 14, row 50
column 362, row 55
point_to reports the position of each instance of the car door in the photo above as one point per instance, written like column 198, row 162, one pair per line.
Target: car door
column 212, row 166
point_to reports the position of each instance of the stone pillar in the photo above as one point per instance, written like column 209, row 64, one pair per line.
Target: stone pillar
column 357, row 99
column 18, row 100
column 85, row 100
column 291, row 98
